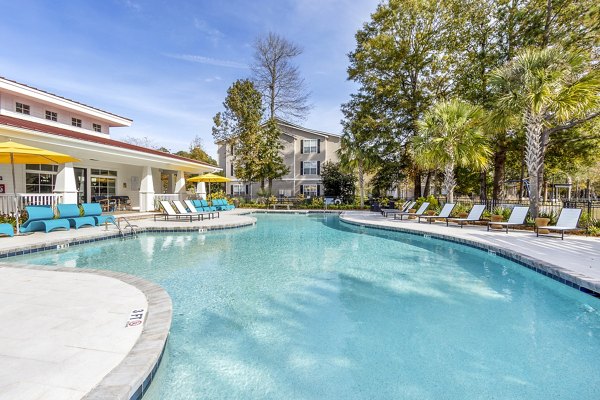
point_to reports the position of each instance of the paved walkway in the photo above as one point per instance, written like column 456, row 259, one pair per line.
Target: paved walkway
column 576, row 257
column 62, row 332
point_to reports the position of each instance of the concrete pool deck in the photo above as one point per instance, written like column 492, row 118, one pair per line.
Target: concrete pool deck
column 575, row 259
column 63, row 333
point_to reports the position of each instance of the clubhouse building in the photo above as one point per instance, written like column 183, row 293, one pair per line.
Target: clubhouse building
column 107, row 167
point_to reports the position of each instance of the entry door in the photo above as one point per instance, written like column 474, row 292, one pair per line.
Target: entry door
column 81, row 182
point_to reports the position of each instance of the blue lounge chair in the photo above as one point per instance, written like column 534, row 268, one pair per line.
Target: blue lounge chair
column 207, row 207
column 7, row 229
column 41, row 218
column 94, row 210
column 222, row 205
column 71, row 213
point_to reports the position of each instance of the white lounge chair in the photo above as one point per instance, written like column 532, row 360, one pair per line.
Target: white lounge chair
column 474, row 215
column 193, row 209
column 182, row 210
column 444, row 213
column 567, row 221
column 517, row 217
column 169, row 212
column 420, row 211
column 391, row 211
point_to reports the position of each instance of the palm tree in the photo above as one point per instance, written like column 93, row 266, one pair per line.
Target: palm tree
column 450, row 135
column 356, row 155
column 551, row 90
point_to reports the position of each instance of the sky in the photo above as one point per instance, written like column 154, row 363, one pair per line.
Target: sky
column 167, row 64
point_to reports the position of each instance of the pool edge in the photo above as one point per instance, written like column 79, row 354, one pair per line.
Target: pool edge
column 552, row 271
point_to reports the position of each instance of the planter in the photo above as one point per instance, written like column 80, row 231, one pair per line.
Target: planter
column 496, row 218
column 430, row 212
column 463, row 215
column 412, row 211
column 542, row 222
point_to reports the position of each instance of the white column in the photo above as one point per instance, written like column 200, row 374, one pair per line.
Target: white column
column 65, row 183
column 201, row 190
column 180, row 185
column 147, row 190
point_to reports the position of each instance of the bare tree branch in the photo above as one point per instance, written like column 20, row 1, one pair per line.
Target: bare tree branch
column 279, row 81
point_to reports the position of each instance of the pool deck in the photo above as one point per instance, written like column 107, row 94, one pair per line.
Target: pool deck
column 63, row 333
column 575, row 259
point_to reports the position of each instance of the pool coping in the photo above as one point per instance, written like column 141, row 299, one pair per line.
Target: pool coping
column 550, row 270
column 130, row 379
column 97, row 236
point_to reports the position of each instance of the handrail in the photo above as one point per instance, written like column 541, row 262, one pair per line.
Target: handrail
column 127, row 225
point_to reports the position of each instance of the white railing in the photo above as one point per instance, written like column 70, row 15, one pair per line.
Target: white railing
column 168, row 197
column 7, row 201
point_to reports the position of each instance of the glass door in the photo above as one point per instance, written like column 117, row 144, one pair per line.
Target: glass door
column 81, row 182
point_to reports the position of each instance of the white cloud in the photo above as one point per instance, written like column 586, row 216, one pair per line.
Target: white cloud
column 208, row 60
column 213, row 34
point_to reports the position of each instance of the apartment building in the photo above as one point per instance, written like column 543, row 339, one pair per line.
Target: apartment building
column 304, row 152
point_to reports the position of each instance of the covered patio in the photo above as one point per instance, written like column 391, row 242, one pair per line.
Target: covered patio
column 119, row 174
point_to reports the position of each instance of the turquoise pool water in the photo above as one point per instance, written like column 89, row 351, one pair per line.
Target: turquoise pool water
column 306, row 307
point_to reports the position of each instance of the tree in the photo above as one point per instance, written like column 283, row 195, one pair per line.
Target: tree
column 271, row 159
column 278, row 79
column 336, row 183
column 239, row 126
column 552, row 90
column 358, row 151
column 450, row 135
column 197, row 152
column 402, row 61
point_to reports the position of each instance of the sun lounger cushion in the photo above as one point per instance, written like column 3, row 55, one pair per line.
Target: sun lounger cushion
column 41, row 218
column 7, row 229
column 94, row 210
column 72, row 213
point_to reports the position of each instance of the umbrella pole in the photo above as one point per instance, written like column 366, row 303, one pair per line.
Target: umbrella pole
column 12, row 166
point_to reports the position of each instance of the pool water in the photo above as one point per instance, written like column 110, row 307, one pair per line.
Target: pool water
column 307, row 307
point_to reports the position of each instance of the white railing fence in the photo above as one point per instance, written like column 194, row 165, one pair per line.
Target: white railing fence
column 7, row 201
column 168, row 197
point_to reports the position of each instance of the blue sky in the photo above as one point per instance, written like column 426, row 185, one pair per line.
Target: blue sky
column 167, row 64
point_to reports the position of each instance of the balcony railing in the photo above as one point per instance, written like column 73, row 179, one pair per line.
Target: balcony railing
column 7, row 201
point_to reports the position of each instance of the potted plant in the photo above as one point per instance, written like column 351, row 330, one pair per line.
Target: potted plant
column 497, row 216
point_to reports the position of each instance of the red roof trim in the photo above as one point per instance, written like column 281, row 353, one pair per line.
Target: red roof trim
column 34, row 126
column 64, row 98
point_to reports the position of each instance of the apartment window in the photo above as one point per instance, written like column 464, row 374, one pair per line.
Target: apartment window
column 40, row 178
column 51, row 116
column 97, row 127
column 103, row 182
column 310, row 167
column 23, row 108
column 310, row 146
column 232, row 170
column 310, row 190
column 238, row 190
column 76, row 122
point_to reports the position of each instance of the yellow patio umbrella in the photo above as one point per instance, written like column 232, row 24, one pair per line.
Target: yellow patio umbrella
column 16, row 153
column 209, row 178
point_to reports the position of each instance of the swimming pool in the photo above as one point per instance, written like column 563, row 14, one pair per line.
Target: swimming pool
column 306, row 307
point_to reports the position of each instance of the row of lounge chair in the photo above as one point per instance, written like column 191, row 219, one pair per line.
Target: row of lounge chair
column 192, row 210
column 42, row 218
column 567, row 220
